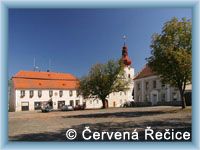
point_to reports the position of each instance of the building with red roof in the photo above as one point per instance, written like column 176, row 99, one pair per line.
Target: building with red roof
column 29, row 89
column 148, row 87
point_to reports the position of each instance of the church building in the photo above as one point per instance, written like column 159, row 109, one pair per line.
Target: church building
column 29, row 89
column 117, row 99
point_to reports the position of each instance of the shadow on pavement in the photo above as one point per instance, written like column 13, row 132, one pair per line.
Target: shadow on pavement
column 176, row 124
column 118, row 114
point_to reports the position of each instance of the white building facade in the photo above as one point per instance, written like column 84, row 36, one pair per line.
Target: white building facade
column 149, row 88
column 30, row 89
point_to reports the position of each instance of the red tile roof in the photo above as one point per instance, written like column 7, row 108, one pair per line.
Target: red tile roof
column 44, row 80
column 145, row 72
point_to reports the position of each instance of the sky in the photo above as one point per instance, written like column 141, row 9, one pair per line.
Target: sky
column 72, row 40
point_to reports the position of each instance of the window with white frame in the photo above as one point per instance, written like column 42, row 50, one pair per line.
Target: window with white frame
column 22, row 93
column 147, row 85
column 50, row 93
column 163, row 97
column 70, row 93
column 174, row 96
column 31, row 93
column 154, row 84
column 39, row 93
column 60, row 93
column 77, row 93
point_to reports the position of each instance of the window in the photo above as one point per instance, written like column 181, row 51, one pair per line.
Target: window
column 146, row 98
column 60, row 93
column 90, row 101
column 97, row 101
column 163, row 85
column 70, row 93
column 31, row 92
column 22, row 93
column 37, row 105
column 163, row 97
column 39, row 93
column 129, row 76
column 174, row 96
column 71, row 103
column 50, row 93
column 147, row 85
column 77, row 93
column 138, row 86
column 154, row 84
column 120, row 93
column 77, row 102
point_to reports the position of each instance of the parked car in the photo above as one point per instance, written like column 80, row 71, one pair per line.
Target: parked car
column 79, row 107
column 67, row 108
column 46, row 108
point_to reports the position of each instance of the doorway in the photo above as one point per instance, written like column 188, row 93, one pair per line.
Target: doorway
column 114, row 104
column 61, row 104
column 71, row 102
column 25, row 106
column 154, row 99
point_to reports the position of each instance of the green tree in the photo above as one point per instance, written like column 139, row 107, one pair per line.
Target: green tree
column 172, row 54
column 104, row 79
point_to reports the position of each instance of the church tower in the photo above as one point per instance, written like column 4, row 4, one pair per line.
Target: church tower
column 125, row 58
column 129, row 70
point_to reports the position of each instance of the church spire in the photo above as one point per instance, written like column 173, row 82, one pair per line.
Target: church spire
column 125, row 38
column 125, row 58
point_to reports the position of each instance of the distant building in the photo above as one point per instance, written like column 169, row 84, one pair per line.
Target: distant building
column 149, row 88
column 117, row 99
column 29, row 89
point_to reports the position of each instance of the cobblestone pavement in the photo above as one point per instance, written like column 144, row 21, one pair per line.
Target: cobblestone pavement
column 52, row 126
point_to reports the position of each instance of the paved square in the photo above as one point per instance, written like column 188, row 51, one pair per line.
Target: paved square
column 37, row 126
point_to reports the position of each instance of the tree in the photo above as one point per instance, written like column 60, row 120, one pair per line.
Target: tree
column 172, row 54
column 104, row 79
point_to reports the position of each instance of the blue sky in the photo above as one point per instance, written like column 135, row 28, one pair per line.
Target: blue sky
column 75, row 39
